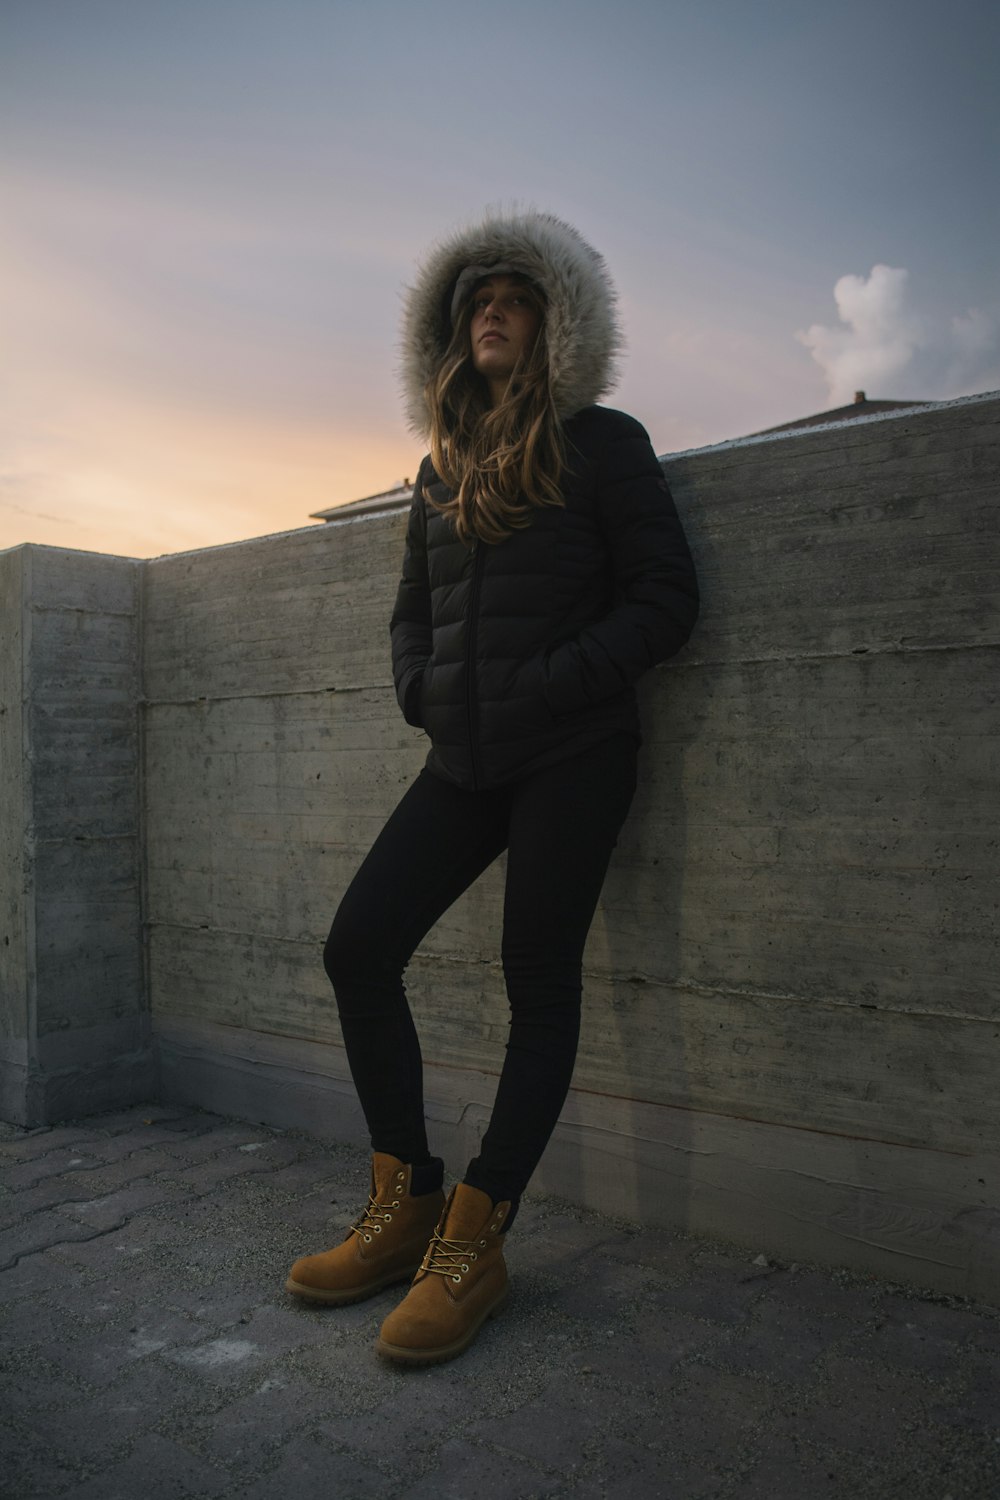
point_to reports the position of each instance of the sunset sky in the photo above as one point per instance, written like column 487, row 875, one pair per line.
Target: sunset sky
column 210, row 208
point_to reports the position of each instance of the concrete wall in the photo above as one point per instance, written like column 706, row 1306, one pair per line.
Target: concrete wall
column 74, row 1028
column 791, row 1022
column 791, row 1029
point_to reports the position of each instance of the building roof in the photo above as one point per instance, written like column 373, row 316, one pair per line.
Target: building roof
column 859, row 407
column 395, row 499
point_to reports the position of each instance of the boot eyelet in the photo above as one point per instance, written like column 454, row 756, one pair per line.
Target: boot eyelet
column 483, row 1244
column 368, row 1239
column 377, row 1228
column 465, row 1268
column 473, row 1255
column 396, row 1204
column 456, row 1278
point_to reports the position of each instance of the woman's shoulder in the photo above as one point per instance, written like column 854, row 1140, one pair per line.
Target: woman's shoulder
column 605, row 442
column 428, row 481
column 596, row 424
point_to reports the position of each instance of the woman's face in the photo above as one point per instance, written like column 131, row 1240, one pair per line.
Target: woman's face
column 505, row 323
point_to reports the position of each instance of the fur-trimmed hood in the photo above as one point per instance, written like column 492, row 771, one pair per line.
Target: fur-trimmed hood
column 581, row 327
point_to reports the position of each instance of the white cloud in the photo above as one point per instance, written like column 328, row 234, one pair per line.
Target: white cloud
column 889, row 348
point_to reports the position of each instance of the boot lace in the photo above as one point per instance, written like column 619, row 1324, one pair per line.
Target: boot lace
column 450, row 1258
column 371, row 1221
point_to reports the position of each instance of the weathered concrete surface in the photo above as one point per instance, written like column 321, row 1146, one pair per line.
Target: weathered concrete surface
column 14, row 911
column 150, row 1349
column 791, row 1024
column 75, row 1031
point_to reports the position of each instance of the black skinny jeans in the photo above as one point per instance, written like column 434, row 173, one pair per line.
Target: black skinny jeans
column 559, row 826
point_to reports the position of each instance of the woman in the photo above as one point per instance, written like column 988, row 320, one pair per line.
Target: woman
column 545, row 570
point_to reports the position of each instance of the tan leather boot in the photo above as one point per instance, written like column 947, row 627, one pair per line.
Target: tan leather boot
column 383, row 1245
column 462, row 1281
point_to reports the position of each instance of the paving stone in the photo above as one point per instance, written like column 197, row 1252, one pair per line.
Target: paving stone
column 190, row 1149
column 114, row 1209
column 100, row 1357
column 268, row 1334
column 108, row 1253
column 140, row 1139
column 922, row 1335
column 599, row 1290
column 554, row 1431
column 29, row 1470
column 309, row 1471
column 661, row 1251
column 869, row 1409
column 313, row 1176
column 416, row 1406
column 708, row 1416
column 648, row 1357
column 548, row 1239
column 824, row 1295
column 908, row 1347
column 465, row 1470
column 157, row 1283
column 33, row 1320
column 958, row 1323
column 213, row 1307
column 721, row 1297
column 781, row 1342
column 627, row 1473
column 28, row 1173
column 779, row 1476
column 318, row 1223
column 67, row 1187
column 96, row 1304
column 29, row 1384
column 90, row 1429
column 157, row 1469
column 34, row 1144
column 194, row 1122
column 40, row 1231
column 977, row 1407
column 245, row 1431
column 132, row 1166
column 118, row 1120
column 41, row 1273
column 204, row 1176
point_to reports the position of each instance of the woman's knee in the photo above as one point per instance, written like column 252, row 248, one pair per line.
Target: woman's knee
column 360, row 950
column 349, row 955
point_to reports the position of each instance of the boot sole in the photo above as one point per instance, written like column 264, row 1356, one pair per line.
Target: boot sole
column 352, row 1294
column 405, row 1356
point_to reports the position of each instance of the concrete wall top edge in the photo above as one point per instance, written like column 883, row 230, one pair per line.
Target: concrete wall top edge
column 70, row 551
column 980, row 398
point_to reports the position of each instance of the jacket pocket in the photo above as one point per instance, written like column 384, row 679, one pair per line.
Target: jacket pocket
column 412, row 698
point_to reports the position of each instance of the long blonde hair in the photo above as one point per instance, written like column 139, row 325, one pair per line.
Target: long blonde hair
column 500, row 462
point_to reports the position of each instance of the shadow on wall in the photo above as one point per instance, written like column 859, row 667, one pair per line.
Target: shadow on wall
column 627, row 1132
column 629, row 1129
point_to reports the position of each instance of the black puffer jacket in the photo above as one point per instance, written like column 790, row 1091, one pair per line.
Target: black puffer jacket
column 515, row 655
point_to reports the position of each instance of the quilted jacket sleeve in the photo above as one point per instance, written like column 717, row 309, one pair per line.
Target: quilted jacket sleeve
column 410, row 626
column 656, row 591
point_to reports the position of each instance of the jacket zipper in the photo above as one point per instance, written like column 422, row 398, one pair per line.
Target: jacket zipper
column 470, row 664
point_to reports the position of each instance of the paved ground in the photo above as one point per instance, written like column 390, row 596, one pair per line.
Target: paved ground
column 150, row 1352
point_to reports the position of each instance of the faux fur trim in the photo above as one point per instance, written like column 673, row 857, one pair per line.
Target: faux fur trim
column 581, row 325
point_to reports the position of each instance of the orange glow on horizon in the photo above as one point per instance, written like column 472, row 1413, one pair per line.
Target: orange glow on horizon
column 136, row 483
